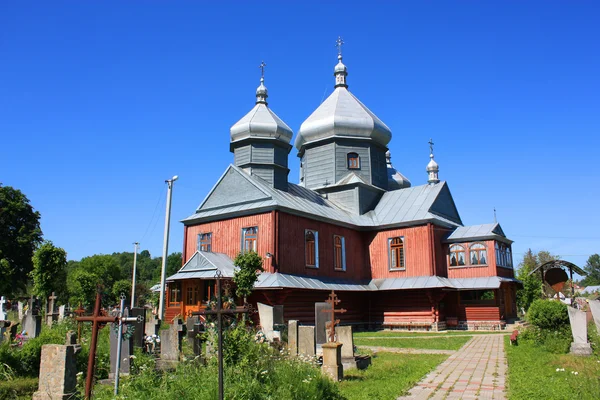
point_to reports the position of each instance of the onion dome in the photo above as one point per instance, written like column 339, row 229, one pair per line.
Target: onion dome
column 395, row 179
column 261, row 122
column 432, row 168
column 342, row 115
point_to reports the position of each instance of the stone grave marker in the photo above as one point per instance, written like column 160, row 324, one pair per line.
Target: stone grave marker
column 32, row 324
column 580, row 345
column 321, row 321
column 61, row 312
column 344, row 336
column 265, row 314
column 126, row 350
column 595, row 308
column 293, row 337
column 170, row 345
column 2, row 312
column 51, row 314
column 194, row 328
column 58, row 371
column 20, row 310
column 138, row 326
column 306, row 340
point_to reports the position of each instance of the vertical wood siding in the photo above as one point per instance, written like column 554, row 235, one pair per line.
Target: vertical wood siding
column 227, row 236
column 480, row 270
column 417, row 252
column 291, row 245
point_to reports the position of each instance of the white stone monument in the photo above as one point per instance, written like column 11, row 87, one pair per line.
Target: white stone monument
column 580, row 345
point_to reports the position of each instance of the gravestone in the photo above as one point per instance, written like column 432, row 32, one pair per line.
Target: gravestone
column 580, row 345
column 51, row 314
column 61, row 312
column 2, row 312
column 150, row 323
column 32, row 324
column 20, row 310
column 265, row 314
column 126, row 350
column 58, row 371
column 321, row 322
column 344, row 336
column 306, row 340
column 293, row 337
column 194, row 329
column 138, row 326
column 595, row 308
column 170, row 345
column 332, row 361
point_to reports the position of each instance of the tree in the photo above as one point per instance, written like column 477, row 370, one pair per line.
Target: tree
column 49, row 272
column 122, row 287
column 249, row 266
column 20, row 234
column 592, row 267
column 97, row 270
column 532, row 284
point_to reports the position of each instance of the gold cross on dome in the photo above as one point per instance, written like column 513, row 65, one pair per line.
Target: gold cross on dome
column 338, row 43
column 262, row 69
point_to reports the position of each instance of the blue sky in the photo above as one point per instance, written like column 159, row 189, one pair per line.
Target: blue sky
column 100, row 102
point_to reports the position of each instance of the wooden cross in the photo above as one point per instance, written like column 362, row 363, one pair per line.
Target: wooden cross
column 262, row 69
column 333, row 301
column 219, row 312
column 338, row 43
column 98, row 322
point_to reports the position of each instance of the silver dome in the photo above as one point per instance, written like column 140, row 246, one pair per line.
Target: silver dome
column 395, row 179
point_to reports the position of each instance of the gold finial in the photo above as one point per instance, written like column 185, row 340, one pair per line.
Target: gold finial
column 338, row 43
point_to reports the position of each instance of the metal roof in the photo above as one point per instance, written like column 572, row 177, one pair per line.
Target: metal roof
column 419, row 204
column 204, row 265
column 277, row 280
column 478, row 232
column 591, row 289
column 559, row 264
column 263, row 123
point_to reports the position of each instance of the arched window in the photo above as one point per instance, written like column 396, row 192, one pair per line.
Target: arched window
column 311, row 248
column 478, row 254
column 249, row 236
column 353, row 161
column 396, row 253
column 339, row 253
column 457, row 255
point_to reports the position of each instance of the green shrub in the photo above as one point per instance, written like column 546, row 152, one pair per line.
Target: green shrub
column 557, row 341
column 548, row 314
column 594, row 338
column 19, row 388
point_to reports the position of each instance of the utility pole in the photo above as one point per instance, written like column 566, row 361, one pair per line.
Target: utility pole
column 163, row 272
column 136, row 244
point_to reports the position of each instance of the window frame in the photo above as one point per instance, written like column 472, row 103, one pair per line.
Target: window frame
column 451, row 252
column 353, row 160
column 246, row 237
column 204, row 242
column 175, row 286
column 402, row 251
column 191, row 295
column 315, row 249
column 476, row 251
column 342, row 253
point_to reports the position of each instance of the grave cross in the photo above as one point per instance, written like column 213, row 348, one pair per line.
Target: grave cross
column 333, row 301
column 2, row 313
column 219, row 311
column 98, row 322
column 79, row 312
column 50, row 312
column 123, row 318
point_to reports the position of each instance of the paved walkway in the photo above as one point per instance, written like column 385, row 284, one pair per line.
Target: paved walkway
column 476, row 371
column 406, row 351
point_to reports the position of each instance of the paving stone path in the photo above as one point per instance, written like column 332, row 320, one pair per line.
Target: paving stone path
column 406, row 350
column 476, row 371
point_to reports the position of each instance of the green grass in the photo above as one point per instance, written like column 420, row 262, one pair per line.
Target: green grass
column 532, row 374
column 423, row 334
column 18, row 388
column 437, row 343
column 390, row 376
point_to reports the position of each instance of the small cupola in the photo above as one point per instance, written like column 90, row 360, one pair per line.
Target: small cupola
column 260, row 141
column 395, row 179
column 432, row 168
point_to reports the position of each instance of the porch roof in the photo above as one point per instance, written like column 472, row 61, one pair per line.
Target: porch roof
column 278, row 280
column 204, row 265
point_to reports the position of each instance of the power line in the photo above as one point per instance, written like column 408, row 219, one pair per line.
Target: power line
column 154, row 213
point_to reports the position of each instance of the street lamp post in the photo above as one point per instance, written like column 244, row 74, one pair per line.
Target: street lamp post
column 136, row 244
column 163, row 272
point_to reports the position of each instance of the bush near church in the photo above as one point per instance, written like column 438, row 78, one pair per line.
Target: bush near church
column 550, row 326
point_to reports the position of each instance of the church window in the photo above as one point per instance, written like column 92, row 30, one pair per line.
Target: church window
column 339, row 253
column 396, row 252
column 353, row 161
column 477, row 297
column 249, row 236
column 205, row 241
column 311, row 248
column 508, row 258
column 478, row 254
column 192, row 295
column 457, row 255
column 174, row 293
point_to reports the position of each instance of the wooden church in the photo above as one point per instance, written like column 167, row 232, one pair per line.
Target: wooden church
column 397, row 255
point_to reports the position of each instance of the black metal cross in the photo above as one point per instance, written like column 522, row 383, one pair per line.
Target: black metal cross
column 262, row 69
column 338, row 43
column 333, row 301
column 219, row 312
column 431, row 146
